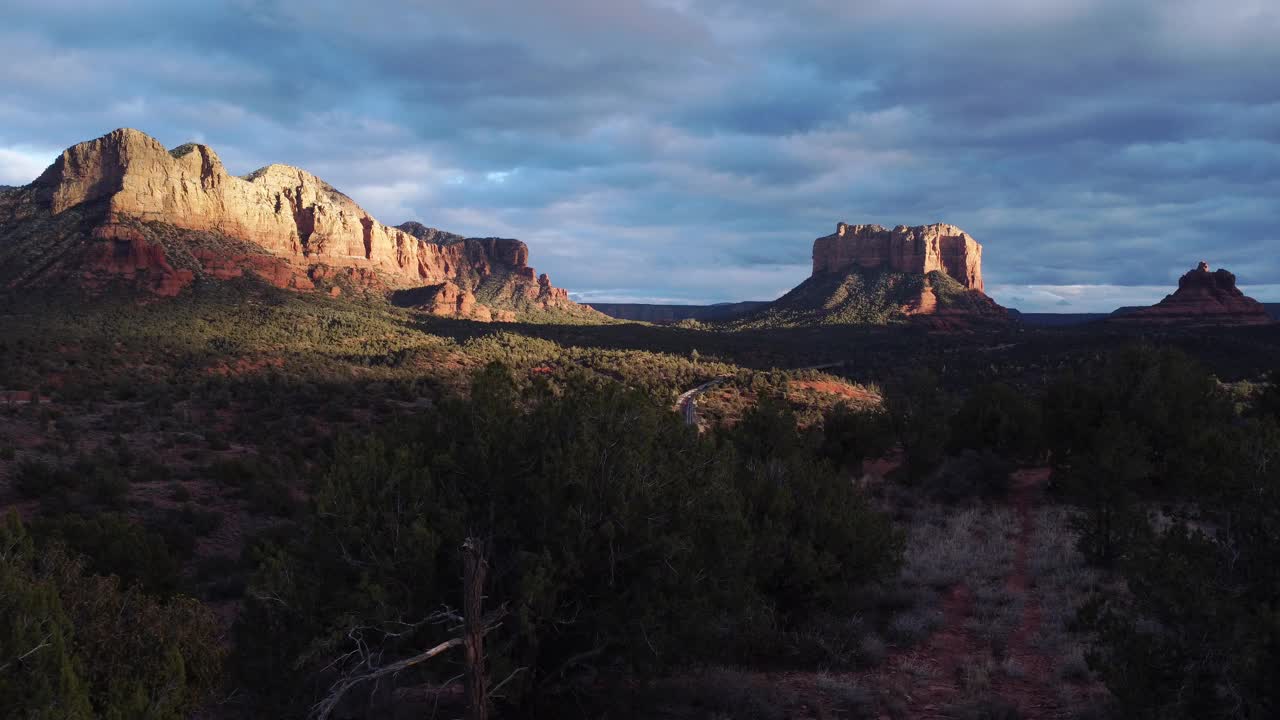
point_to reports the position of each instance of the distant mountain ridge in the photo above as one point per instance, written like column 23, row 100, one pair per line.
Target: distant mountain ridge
column 1055, row 319
column 656, row 313
column 1272, row 310
column 727, row 311
column 123, row 208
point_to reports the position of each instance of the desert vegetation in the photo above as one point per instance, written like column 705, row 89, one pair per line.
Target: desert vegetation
column 273, row 500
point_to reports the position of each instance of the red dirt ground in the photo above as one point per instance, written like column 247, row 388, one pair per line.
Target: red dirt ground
column 1034, row 693
column 852, row 392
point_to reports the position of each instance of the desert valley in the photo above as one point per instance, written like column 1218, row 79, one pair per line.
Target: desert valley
column 263, row 455
column 641, row 359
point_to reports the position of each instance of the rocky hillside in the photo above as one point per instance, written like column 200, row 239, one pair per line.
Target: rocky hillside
column 1203, row 297
column 866, row 274
column 122, row 208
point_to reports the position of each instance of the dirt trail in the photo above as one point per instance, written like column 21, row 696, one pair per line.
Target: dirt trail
column 1034, row 693
column 943, row 657
column 928, row 681
column 952, row 649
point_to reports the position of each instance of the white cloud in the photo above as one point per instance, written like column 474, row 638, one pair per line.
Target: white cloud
column 21, row 164
column 1076, row 298
column 692, row 149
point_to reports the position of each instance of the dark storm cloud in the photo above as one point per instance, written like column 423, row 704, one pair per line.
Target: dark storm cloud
column 689, row 150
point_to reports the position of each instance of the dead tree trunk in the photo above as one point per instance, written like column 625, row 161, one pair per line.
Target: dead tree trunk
column 474, row 569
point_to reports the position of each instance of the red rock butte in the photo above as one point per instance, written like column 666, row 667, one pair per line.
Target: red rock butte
column 306, row 227
column 1203, row 297
column 919, row 249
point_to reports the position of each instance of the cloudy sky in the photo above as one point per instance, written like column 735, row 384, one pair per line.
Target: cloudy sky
column 691, row 150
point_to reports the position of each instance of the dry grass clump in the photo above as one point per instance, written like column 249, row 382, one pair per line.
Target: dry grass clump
column 1061, row 579
column 914, row 625
column 974, row 545
column 919, row 668
column 947, row 547
column 997, row 613
column 1072, row 665
column 975, row 678
column 848, row 698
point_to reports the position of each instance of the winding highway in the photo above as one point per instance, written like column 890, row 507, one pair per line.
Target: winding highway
column 687, row 403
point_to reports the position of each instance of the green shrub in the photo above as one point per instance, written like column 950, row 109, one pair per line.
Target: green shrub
column 90, row 649
column 1168, row 407
column 108, row 487
column 919, row 414
column 970, row 475
column 1196, row 635
column 112, row 544
column 850, row 436
column 35, row 479
column 266, row 485
column 1268, row 401
column 616, row 536
column 998, row 419
column 812, row 539
column 42, row 677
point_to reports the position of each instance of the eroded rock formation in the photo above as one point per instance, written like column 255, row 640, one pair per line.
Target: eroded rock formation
column 920, row 250
column 929, row 275
column 294, row 225
column 1203, row 297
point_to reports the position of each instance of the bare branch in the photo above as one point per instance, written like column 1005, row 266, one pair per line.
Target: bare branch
column 44, row 643
column 323, row 709
column 493, row 692
column 368, row 659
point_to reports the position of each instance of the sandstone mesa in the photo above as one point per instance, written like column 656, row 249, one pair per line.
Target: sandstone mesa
column 918, row 250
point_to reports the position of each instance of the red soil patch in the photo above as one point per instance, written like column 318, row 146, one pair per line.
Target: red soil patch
column 881, row 467
column 852, row 392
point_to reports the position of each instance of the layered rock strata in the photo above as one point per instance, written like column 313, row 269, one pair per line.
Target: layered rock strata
column 928, row 275
column 917, row 250
column 297, row 224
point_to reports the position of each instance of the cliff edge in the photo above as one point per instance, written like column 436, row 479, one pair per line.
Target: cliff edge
column 123, row 207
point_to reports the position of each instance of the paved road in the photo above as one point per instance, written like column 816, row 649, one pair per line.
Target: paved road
column 687, row 403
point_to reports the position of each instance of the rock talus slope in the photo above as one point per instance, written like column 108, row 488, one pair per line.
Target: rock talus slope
column 295, row 229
